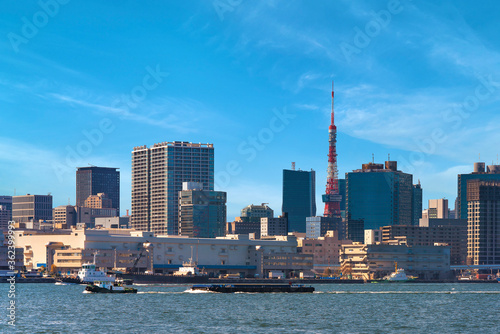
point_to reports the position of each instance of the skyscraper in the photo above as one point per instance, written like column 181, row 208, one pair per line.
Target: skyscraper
column 202, row 213
column 438, row 208
column 157, row 176
column 483, row 225
column 417, row 204
column 29, row 208
column 94, row 180
column 379, row 196
column 5, row 211
column 492, row 173
column 299, row 198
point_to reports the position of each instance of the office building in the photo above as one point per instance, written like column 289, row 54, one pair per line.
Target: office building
column 31, row 208
column 249, row 220
column 5, row 211
column 438, row 208
column 257, row 211
column 94, row 180
column 202, row 213
column 85, row 217
column 342, row 193
column 373, row 237
column 64, row 216
column 378, row 196
column 376, row 261
column 274, row 226
column 454, row 236
column 99, row 201
column 483, row 240
column 325, row 250
column 417, row 203
column 112, row 222
column 318, row 226
column 157, row 176
column 481, row 172
column 299, row 198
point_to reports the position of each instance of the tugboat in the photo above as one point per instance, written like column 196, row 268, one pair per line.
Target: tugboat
column 108, row 287
column 89, row 274
column 398, row 275
column 189, row 268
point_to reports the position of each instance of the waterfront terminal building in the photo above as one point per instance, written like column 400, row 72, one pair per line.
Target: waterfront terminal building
column 124, row 249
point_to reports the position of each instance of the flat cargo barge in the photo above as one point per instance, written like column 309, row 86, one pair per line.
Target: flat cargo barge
column 231, row 288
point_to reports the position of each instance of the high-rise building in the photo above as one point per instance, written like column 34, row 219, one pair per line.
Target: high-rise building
column 86, row 216
column 157, row 176
column 438, row 208
column 342, row 190
column 5, row 211
column 31, row 208
column 481, row 172
column 94, row 180
column 64, row 216
column 202, row 213
column 483, row 225
column 257, row 211
column 378, row 196
column 274, row 226
column 99, row 201
column 249, row 220
column 417, row 204
column 318, row 226
column 299, row 198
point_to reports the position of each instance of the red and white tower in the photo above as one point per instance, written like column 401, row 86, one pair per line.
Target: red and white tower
column 332, row 197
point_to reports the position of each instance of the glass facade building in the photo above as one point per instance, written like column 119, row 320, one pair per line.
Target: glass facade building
column 95, row 180
column 299, row 198
column 202, row 214
column 157, row 176
column 379, row 197
column 5, row 211
column 417, row 204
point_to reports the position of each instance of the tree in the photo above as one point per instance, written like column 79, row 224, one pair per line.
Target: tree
column 53, row 269
column 327, row 272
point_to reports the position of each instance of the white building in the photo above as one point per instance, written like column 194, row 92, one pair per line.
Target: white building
column 373, row 236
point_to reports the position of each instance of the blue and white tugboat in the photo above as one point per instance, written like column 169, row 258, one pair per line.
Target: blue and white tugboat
column 108, row 287
column 89, row 274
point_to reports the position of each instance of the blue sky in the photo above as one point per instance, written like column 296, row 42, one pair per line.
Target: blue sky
column 84, row 82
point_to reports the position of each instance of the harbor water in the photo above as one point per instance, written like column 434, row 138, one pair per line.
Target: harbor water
column 333, row 308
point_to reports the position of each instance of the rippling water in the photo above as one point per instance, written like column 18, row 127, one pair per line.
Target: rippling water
column 335, row 308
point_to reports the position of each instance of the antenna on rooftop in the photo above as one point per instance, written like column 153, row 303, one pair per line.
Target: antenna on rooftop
column 293, row 165
column 389, row 157
column 373, row 158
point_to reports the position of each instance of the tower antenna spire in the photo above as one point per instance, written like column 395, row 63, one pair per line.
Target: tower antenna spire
column 332, row 198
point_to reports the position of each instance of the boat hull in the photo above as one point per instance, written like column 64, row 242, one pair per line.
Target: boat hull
column 97, row 289
column 232, row 288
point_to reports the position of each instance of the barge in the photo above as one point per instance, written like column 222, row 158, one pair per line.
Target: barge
column 231, row 288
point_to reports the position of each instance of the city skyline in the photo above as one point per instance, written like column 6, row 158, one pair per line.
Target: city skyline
column 423, row 87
